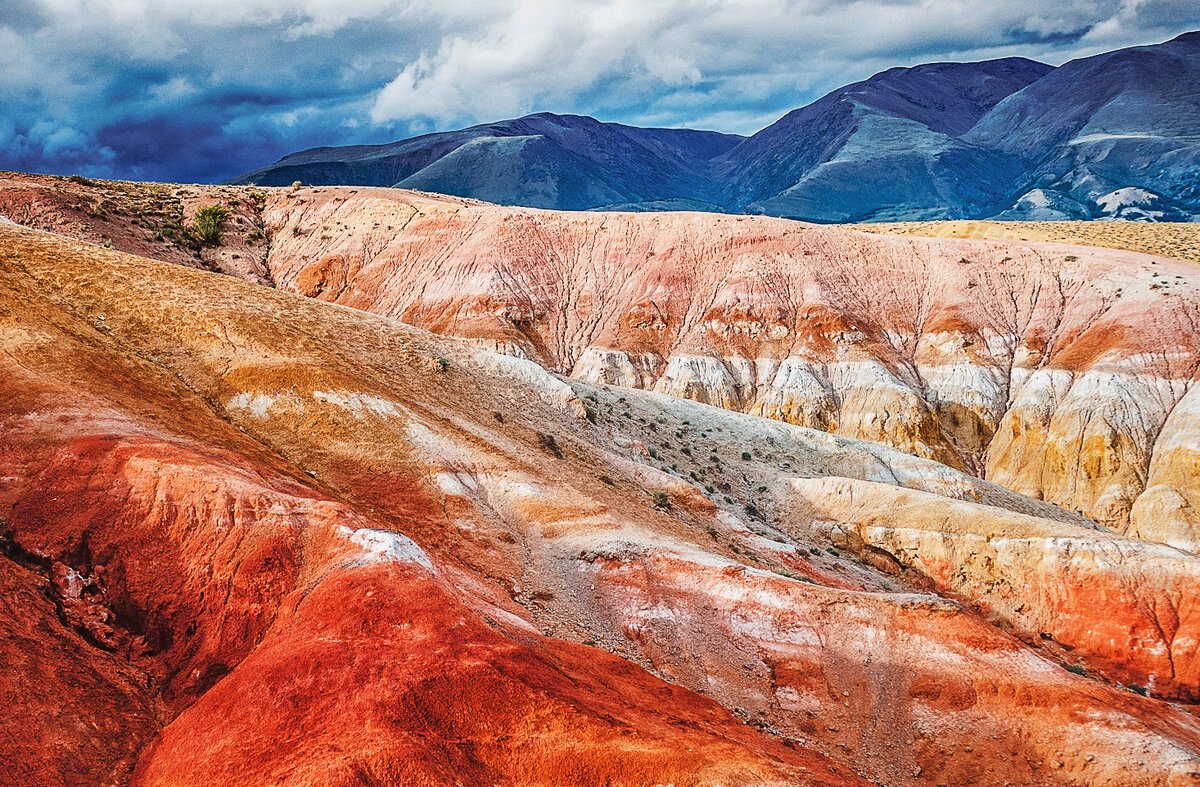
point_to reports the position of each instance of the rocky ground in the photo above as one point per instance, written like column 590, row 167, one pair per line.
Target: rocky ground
column 1179, row 240
column 253, row 537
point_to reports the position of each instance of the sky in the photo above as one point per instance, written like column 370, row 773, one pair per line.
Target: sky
column 204, row 90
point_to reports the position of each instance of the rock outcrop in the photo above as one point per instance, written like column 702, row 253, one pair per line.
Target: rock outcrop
column 292, row 541
column 1050, row 369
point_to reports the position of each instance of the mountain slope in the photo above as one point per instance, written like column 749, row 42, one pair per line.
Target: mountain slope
column 1111, row 136
column 1060, row 371
column 882, row 147
column 543, row 160
column 1115, row 135
column 1065, row 372
column 326, row 547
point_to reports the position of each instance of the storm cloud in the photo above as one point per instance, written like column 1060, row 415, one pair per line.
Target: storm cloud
column 201, row 90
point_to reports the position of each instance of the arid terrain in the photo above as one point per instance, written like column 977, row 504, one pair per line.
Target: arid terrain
column 387, row 487
column 1180, row 240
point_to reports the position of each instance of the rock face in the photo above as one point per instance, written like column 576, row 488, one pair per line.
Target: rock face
column 883, row 148
column 1053, row 370
column 273, row 540
column 543, row 161
column 1084, row 129
column 1110, row 136
column 247, row 599
column 998, row 553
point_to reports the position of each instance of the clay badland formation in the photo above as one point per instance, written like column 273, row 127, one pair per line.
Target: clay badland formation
column 699, row 499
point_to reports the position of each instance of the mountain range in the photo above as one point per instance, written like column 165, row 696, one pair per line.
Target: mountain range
column 1116, row 135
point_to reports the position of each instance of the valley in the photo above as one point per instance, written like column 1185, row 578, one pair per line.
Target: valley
column 390, row 486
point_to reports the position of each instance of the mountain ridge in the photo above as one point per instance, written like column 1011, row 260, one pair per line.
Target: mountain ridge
column 1114, row 135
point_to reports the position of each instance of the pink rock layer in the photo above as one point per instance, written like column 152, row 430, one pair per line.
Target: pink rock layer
column 253, row 538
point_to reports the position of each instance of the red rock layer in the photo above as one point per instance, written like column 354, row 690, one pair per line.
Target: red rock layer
column 216, row 572
column 1051, row 369
column 1058, row 371
column 340, row 549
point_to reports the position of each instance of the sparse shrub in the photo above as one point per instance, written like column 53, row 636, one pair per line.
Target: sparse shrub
column 206, row 225
column 832, row 551
column 443, row 364
column 550, row 444
column 752, row 510
column 1071, row 258
column 81, row 180
column 814, row 551
column 745, row 456
column 1076, row 669
column 662, row 500
column 1136, row 689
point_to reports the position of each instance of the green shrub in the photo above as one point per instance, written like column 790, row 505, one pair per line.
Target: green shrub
column 662, row 500
column 206, row 226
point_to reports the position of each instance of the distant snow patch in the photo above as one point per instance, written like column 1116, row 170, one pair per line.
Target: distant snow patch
column 1086, row 138
column 386, row 546
column 1124, row 198
column 1036, row 199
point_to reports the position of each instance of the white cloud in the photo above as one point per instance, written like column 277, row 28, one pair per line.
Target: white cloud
column 373, row 70
column 535, row 54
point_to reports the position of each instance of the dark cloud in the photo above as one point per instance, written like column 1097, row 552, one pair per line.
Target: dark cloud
column 201, row 90
column 1023, row 36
